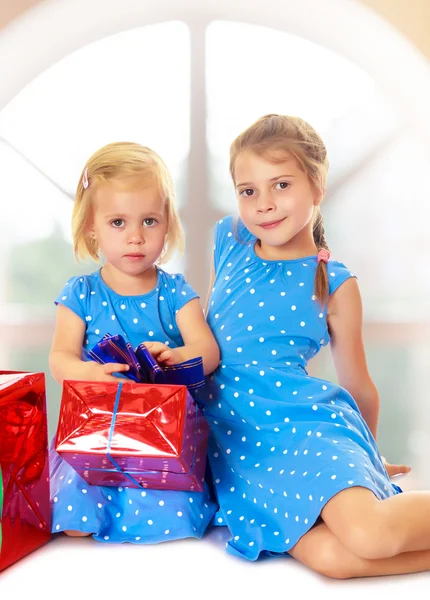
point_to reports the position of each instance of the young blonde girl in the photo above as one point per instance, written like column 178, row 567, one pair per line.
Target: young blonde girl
column 124, row 211
column 294, row 459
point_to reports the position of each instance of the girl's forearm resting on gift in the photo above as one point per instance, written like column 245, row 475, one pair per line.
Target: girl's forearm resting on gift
column 207, row 349
column 65, row 365
column 65, row 358
column 197, row 337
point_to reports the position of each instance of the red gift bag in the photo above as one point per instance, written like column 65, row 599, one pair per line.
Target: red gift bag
column 25, row 510
column 133, row 434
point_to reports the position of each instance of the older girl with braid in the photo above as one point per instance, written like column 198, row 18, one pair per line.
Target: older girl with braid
column 294, row 460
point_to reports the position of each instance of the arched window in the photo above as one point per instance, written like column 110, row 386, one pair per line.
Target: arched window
column 185, row 80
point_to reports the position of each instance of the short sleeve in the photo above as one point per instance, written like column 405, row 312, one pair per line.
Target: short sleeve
column 231, row 239
column 75, row 295
column 337, row 273
column 224, row 231
column 181, row 292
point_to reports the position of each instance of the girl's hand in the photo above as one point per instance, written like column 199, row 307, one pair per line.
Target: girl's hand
column 93, row 371
column 395, row 469
column 161, row 353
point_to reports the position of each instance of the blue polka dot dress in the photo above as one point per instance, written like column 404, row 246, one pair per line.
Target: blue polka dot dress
column 282, row 443
column 121, row 514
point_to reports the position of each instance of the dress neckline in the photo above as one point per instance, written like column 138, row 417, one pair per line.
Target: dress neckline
column 279, row 261
column 129, row 296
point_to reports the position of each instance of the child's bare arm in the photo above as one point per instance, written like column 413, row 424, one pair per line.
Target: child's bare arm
column 345, row 321
column 345, row 326
column 65, row 359
column 197, row 336
column 211, row 284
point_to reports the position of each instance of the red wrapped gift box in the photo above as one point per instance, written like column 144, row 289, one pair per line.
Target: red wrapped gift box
column 25, row 510
column 133, row 434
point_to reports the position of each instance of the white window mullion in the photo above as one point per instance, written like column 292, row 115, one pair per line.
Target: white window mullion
column 199, row 214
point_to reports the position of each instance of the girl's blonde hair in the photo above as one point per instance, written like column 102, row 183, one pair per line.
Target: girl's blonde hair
column 124, row 162
column 276, row 136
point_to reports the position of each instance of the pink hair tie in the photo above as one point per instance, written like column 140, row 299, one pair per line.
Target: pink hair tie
column 323, row 255
column 85, row 182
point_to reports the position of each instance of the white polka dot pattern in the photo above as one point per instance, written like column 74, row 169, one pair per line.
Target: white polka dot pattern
column 126, row 514
column 282, row 443
column 150, row 316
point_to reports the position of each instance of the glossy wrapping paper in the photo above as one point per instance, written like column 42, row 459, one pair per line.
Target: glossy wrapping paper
column 25, row 511
column 133, row 434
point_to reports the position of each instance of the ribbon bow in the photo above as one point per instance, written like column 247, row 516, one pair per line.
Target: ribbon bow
column 143, row 367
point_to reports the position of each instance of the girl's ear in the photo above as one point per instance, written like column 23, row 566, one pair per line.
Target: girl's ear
column 319, row 196
column 89, row 227
column 90, row 232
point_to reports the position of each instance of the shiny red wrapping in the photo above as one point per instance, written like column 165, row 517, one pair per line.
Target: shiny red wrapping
column 158, row 437
column 25, row 516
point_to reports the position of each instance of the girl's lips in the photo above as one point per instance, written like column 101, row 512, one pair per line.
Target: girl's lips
column 134, row 256
column 271, row 224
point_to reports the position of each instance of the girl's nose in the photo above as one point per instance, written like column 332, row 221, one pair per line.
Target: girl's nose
column 265, row 202
column 136, row 237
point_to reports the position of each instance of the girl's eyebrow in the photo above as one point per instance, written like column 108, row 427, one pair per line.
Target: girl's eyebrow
column 271, row 179
column 124, row 216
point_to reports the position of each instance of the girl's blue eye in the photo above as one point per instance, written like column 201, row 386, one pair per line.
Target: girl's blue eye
column 150, row 222
column 117, row 222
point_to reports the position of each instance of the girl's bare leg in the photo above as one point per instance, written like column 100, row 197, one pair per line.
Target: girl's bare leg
column 372, row 528
column 321, row 551
column 76, row 533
